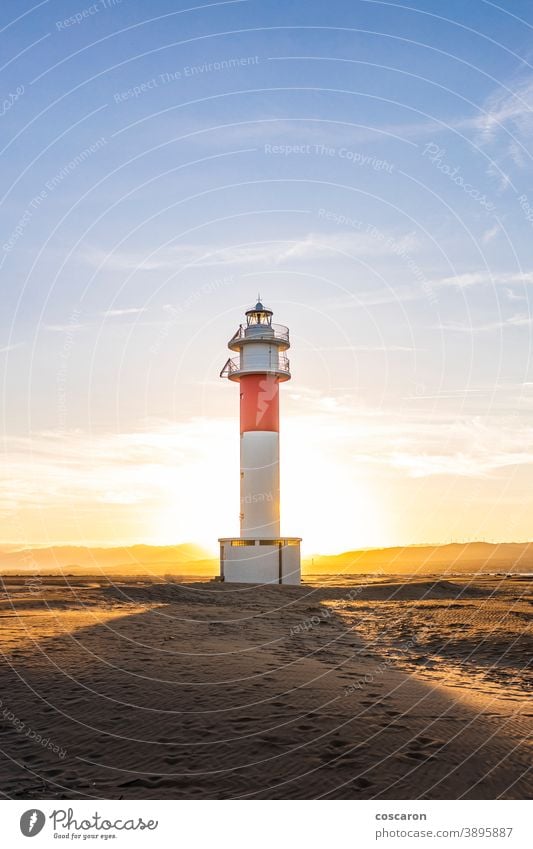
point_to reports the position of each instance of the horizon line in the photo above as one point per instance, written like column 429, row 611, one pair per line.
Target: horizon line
column 20, row 546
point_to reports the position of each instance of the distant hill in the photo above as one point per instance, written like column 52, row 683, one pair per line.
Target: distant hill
column 184, row 559
column 188, row 559
column 456, row 557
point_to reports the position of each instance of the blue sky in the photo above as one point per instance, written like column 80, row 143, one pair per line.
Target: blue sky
column 367, row 166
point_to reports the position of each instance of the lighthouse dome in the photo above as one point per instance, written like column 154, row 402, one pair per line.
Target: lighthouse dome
column 259, row 314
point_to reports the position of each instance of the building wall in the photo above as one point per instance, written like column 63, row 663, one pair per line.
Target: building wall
column 260, row 564
column 261, row 356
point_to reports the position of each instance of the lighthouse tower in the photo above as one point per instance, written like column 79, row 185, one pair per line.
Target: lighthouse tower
column 261, row 555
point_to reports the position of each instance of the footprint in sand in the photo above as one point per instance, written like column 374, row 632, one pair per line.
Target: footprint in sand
column 392, row 725
column 171, row 760
column 421, row 749
column 362, row 783
column 430, row 742
column 417, row 756
column 336, row 744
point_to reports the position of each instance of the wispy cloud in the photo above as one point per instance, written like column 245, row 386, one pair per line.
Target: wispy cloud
column 490, row 234
column 506, row 126
column 476, row 464
column 518, row 320
column 367, row 348
column 406, row 441
column 151, row 483
column 485, row 278
column 307, row 131
column 512, row 296
column 80, row 485
column 509, row 109
column 7, row 348
column 67, row 327
column 461, row 281
column 94, row 319
column 310, row 247
column 116, row 313
column 464, row 391
column 393, row 294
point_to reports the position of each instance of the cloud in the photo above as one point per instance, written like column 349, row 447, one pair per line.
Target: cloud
column 506, row 126
column 509, row 110
column 72, row 485
column 458, row 465
column 310, row 247
column 512, row 296
column 490, row 234
column 307, row 131
column 465, row 391
column 518, row 320
column 485, row 278
column 7, row 348
column 461, row 281
column 120, row 312
column 68, row 327
column 172, row 481
column 74, row 326
column 406, row 441
column 367, row 348
column 374, row 297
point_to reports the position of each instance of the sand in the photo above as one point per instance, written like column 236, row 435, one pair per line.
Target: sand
column 376, row 688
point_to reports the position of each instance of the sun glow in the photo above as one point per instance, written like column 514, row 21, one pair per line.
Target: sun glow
column 343, row 485
column 326, row 499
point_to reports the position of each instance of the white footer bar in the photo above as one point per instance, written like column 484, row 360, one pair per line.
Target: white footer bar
column 195, row 824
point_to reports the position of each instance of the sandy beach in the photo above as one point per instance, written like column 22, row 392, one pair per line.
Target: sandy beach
column 373, row 688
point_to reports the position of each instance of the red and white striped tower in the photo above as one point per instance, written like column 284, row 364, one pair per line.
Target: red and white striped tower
column 259, row 555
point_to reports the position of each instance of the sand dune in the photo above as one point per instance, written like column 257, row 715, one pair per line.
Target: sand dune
column 374, row 689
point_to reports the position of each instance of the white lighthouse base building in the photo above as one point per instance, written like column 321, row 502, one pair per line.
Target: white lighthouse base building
column 260, row 561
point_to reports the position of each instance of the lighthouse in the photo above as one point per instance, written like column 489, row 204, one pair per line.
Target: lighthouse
column 261, row 554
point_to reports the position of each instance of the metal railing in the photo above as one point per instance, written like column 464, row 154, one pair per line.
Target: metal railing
column 233, row 366
column 268, row 331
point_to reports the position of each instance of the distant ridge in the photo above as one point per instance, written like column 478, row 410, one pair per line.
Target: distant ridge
column 133, row 558
column 190, row 559
column 453, row 557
